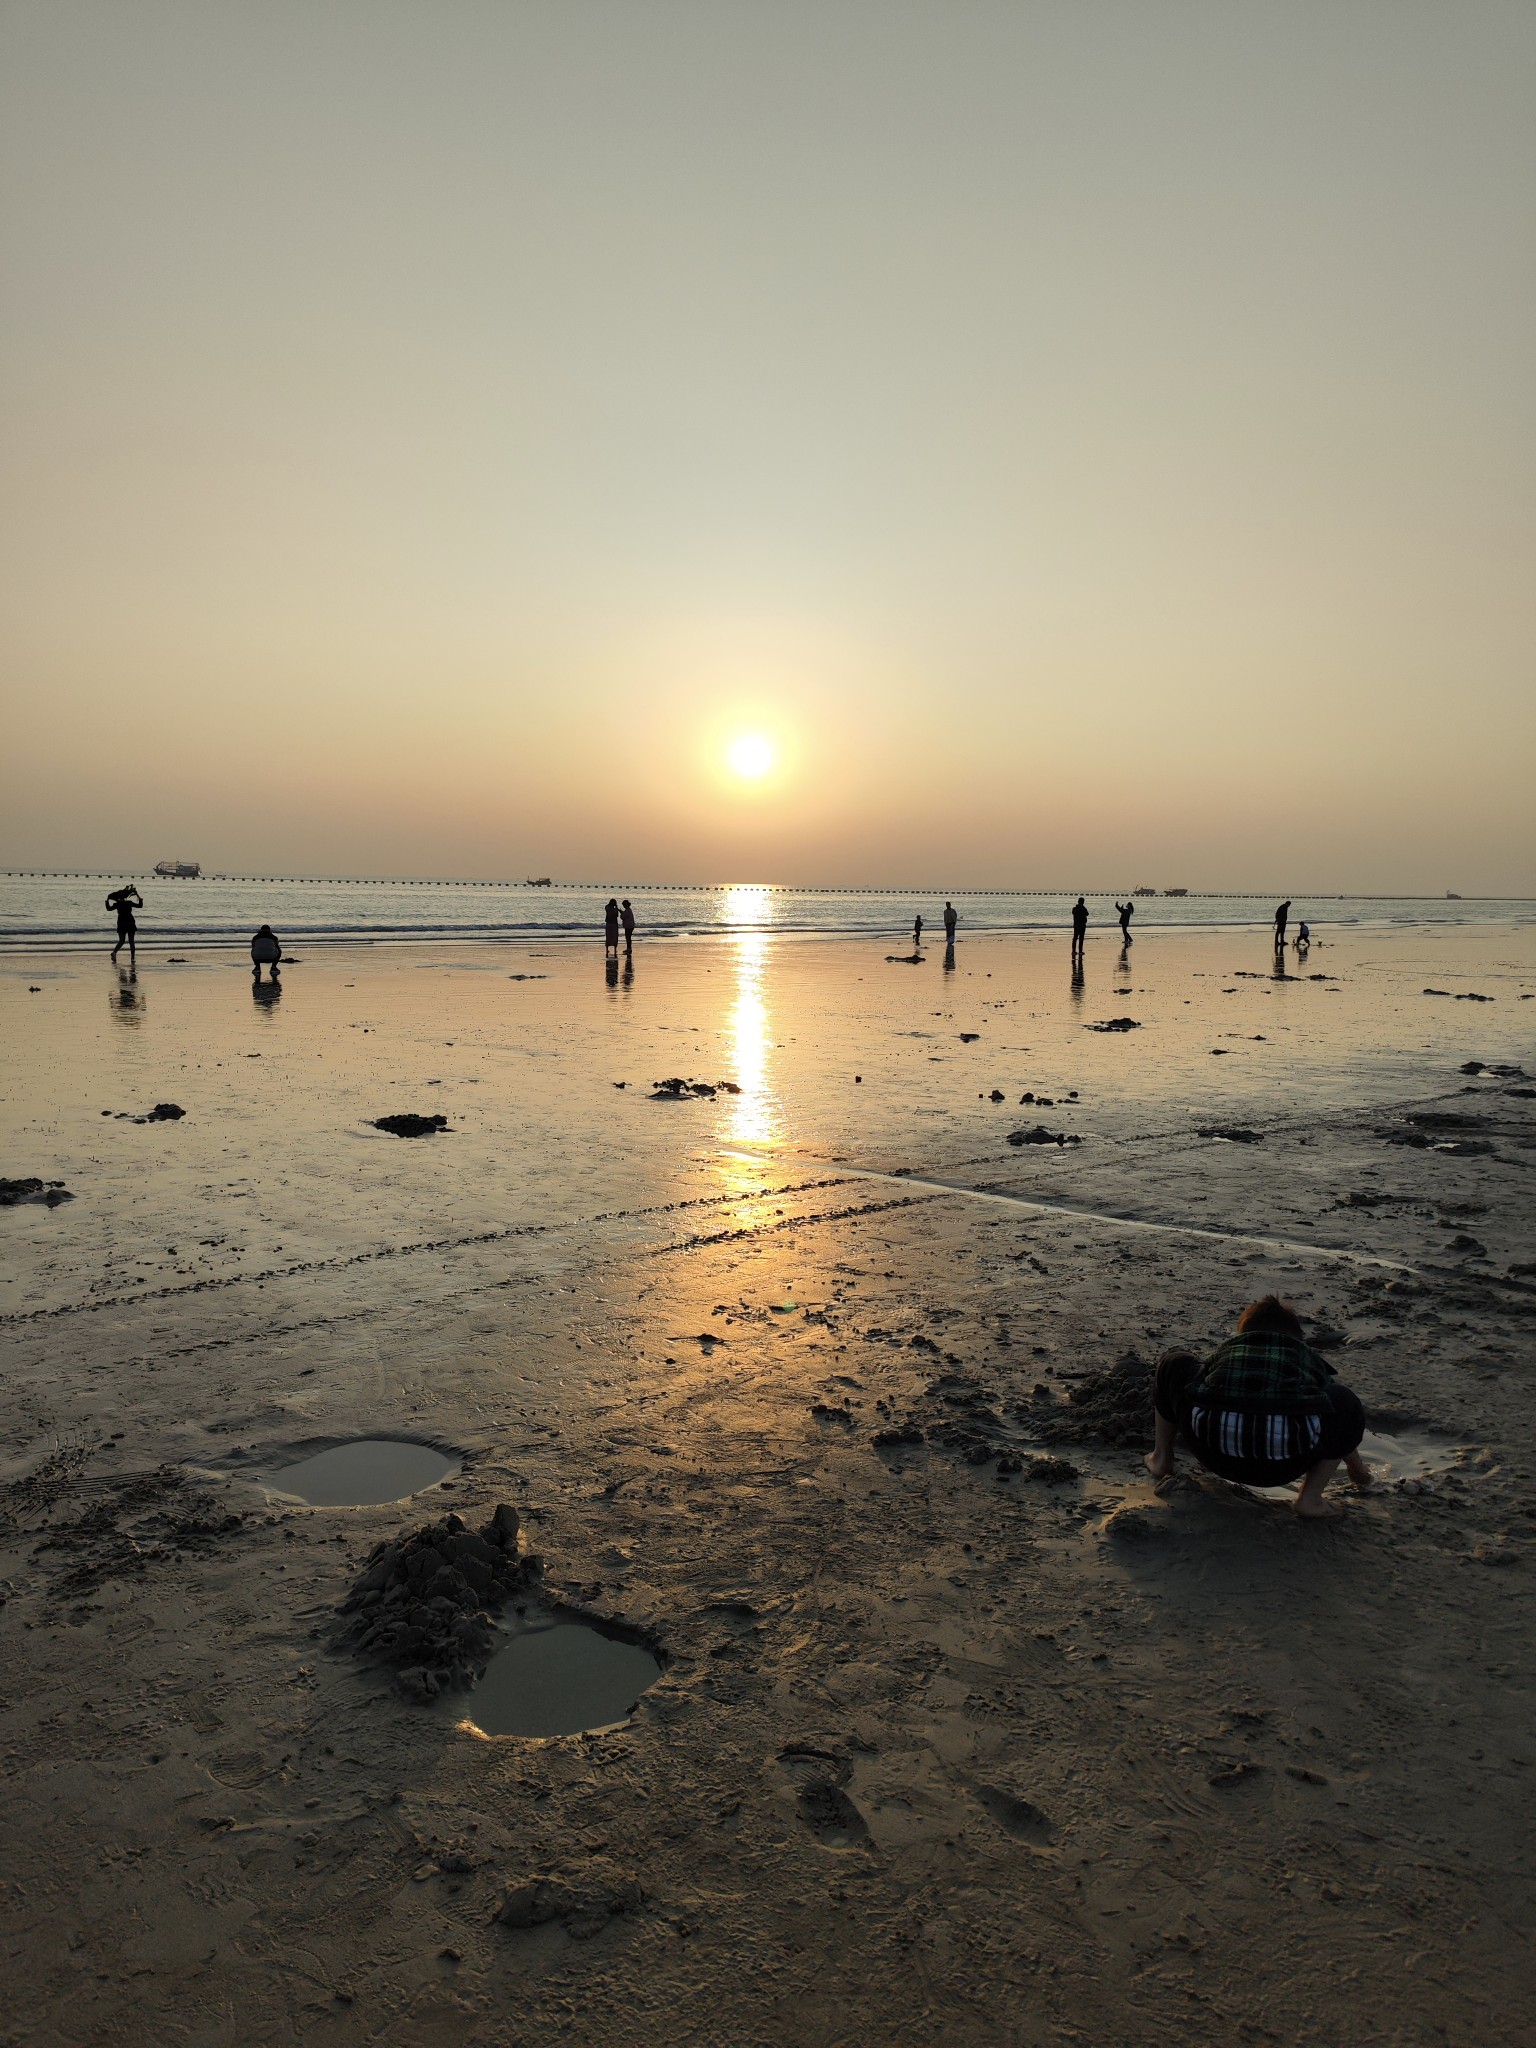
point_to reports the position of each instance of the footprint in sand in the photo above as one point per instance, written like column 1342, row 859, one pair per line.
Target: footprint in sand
column 831, row 1815
column 817, row 1776
column 1017, row 1817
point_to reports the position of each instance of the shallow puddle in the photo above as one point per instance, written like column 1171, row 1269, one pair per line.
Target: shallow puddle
column 364, row 1474
column 558, row 1675
column 1406, row 1456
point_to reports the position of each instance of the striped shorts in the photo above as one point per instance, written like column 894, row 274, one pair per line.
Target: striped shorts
column 1257, row 1446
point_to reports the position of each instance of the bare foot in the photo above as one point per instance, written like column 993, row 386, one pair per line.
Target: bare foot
column 1314, row 1509
column 1359, row 1471
column 1160, row 1465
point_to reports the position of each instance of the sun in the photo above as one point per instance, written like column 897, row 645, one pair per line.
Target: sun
column 750, row 755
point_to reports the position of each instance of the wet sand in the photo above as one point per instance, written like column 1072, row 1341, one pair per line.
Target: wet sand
column 942, row 1751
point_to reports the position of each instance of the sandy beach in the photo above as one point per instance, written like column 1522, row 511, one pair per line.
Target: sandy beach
column 964, row 1731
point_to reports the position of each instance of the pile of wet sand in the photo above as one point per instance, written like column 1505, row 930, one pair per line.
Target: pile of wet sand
column 424, row 1605
column 1112, row 1407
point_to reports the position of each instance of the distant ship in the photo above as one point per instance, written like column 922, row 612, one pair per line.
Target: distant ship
column 537, row 882
column 1143, row 892
column 182, row 870
column 1175, row 892
column 1453, row 895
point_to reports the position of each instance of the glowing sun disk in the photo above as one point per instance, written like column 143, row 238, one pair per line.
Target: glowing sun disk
column 750, row 755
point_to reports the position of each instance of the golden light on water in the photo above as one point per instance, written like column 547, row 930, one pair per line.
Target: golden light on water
column 751, row 755
column 754, row 1113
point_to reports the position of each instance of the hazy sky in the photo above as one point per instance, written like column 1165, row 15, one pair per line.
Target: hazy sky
column 1094, row 441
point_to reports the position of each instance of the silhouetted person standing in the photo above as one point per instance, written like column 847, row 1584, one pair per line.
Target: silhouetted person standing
column 917, row 932
column 125, row 902
column 266, row 951
column 1079, row 927
column 1125, row 910
column 627, row 919
column 950, row 921
column 611, row 926
column 1282, row 916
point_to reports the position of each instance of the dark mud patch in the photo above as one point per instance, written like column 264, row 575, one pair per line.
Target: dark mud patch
column 1114, row 1024
column 561, row 1673
column 1039, row 1135
column 126, row 1526
column 582, row 1903
column 30, row 1189
column 959, row 1415
column 1232, row 1134
column 408, row 1125
column 425, row 1605
column 366, row 1473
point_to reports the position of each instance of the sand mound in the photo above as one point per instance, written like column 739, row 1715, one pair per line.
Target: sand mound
column 1112, row 1407
column 425, row 1604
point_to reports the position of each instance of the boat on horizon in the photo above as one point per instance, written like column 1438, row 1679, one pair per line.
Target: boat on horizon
column 537, row 882
column 179, row 870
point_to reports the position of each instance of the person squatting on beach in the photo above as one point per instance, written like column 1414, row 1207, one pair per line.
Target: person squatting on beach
column 1262, row 1410
column 1079, row 926
column 611, row 925
column 266, row 951
column 125, row 902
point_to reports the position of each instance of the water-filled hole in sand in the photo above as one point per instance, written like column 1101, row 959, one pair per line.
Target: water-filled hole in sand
column 364, row 1474
column 558, row 1675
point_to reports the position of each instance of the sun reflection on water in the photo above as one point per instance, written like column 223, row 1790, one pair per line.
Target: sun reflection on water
column 754, row 1117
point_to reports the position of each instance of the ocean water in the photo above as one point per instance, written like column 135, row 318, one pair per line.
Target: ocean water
column 67, row 912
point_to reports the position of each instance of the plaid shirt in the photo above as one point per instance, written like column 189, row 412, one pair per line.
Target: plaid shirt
column 1263, row 1369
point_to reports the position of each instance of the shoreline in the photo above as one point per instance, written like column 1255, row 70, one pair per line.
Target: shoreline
column 17, row 945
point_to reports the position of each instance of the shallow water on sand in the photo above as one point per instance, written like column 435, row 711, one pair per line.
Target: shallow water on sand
column 838, row 1056
column 559, row 1675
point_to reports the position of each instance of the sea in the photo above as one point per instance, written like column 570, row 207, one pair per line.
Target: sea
column 66, row 912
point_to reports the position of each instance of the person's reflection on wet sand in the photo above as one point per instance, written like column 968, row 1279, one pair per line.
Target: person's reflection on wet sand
column 265, row 993
column 1123, row 964
column 949, row 956
column 1077, row 977
column 126, row 1001
column 611, row 970
column 627, row 977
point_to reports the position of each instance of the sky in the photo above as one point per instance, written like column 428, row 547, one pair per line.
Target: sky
column 1085, row 442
